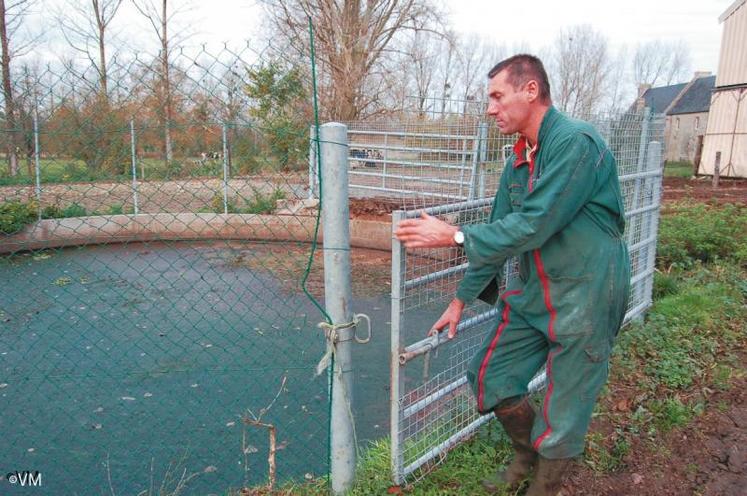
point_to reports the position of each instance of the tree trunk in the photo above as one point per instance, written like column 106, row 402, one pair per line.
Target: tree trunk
column 101, row 24
column 10, row 124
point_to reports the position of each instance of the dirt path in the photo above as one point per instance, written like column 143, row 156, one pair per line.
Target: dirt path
column 708, row 457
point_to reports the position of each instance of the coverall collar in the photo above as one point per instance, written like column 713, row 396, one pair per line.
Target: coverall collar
column 521, row 145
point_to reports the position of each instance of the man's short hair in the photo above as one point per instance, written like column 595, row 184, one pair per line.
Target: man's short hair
column 521, row 69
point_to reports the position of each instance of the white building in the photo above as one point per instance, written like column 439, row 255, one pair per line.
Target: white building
column 726, row 135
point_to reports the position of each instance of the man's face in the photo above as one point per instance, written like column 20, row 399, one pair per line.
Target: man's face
column 508, row 105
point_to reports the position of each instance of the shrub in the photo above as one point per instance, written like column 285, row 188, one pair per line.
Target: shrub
column 74, row 210
column 118, row 209
column 664, row 285
column 14, row 216
column 263, row 204
column 51, row 212
column 217, row 204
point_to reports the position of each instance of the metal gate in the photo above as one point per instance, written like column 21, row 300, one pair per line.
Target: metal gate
column 432, row 409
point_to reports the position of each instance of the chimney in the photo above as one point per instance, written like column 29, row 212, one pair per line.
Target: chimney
column 643, row 88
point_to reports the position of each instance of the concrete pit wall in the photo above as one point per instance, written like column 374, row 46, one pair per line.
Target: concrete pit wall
column 55, row 233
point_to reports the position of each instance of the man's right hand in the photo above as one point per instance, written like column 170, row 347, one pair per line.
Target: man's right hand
column 451, row 317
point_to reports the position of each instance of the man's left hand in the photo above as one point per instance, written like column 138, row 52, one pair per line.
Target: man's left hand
column 426, row 232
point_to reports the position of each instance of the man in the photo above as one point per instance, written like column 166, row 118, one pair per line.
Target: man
column 559, row 209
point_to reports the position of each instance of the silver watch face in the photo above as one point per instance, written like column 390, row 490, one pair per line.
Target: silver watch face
column 459, row 238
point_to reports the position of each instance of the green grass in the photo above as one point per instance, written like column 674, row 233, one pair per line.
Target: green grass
column 678, row 169
column 69, row 170
column 694, row 232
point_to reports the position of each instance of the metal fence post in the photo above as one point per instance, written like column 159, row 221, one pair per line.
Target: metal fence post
column 225, row 171
column 634, row 222
column 475, row 163
column 338, row 298
column 652, row 220
column 37, row 164
column 134, row 166
column 716, row 171
column 396, row 381
column 386, row 150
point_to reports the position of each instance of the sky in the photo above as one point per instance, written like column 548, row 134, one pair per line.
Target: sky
column 530, row 24
column 626, row 22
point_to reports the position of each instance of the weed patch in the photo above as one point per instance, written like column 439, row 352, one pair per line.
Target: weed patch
column 14, row 216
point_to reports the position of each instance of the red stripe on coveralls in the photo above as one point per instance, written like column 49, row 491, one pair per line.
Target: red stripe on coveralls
column 491, row 348
column 551, row 334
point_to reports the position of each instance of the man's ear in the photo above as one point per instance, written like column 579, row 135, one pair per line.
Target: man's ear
column 532, row 90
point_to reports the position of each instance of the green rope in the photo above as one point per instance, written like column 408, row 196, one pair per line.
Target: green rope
column 331, row 367
column 319, row 175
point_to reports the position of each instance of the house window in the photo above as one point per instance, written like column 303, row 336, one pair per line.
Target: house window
column 677, row 124
column 697, row 124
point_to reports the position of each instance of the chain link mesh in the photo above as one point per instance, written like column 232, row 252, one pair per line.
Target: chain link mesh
column 154, row 331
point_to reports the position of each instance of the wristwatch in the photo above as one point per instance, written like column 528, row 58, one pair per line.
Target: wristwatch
column 459, row 238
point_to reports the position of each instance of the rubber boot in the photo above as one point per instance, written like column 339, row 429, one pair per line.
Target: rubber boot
column 517, row 419
column 548, row 476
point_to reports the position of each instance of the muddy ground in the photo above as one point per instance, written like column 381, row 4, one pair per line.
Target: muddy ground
column 708, row 457
column 701, row 189
column 675, row 189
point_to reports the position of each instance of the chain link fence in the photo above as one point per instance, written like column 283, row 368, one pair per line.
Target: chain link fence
column 432, row 408
column 158, row 296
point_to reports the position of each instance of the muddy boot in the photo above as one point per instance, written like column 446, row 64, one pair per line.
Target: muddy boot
column 548, row 476
column 517, row 418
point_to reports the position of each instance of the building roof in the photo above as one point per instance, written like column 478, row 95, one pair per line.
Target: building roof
column 658, row 99
column 697, row 98
column 729, row 11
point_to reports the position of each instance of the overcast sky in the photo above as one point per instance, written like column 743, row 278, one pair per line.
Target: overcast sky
column 533, row 24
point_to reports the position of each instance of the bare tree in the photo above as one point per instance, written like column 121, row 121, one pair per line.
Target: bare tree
column 617, row 95
column 354, row 41
column 84, row 26
column 12, row 13
column 579, row 68
column 159, row 17
column 476, row 56
column 661, row 62
column 421, row 64
column 446, row 67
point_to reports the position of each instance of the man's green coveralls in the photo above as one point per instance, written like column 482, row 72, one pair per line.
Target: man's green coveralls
column 561, row 212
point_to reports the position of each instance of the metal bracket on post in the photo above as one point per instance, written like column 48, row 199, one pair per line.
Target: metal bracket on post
column 338, row 298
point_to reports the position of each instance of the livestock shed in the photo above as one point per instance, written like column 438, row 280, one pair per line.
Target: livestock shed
column 725, row 140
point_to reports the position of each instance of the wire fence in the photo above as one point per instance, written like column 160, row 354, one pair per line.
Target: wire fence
column 158, row 296
column 432, row 408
